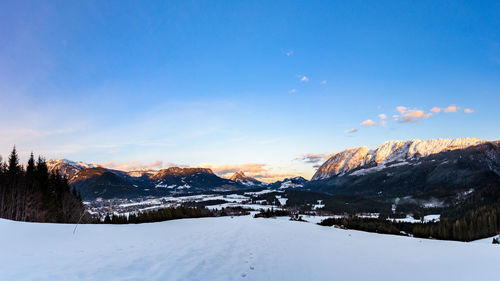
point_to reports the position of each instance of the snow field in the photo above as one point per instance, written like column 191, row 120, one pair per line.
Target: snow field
column 240, row 248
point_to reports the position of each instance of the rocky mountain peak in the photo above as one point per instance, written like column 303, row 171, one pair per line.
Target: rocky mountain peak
column 244, row 179
column 182, row 172
column 67, row 167
column 240, row 175
column 354, row 158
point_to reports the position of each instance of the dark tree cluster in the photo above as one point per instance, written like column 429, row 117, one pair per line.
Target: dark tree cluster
column 365, row 224
column 271, row 213
column 159, row 215
column 475, row 224
column 180, row 212
column 36, row 195
column 475, row 217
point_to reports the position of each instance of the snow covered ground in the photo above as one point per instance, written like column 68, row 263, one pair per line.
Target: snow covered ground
column 240, row 248
column 428, row 218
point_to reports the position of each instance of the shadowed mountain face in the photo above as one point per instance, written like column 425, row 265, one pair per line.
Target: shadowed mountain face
column 192, row 179
column 351, row 159
column 439, row 168
column 441, row 174
column 289, row 183
column 244, row 179
column 107, row 183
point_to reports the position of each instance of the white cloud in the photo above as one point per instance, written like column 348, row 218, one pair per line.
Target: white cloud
column 382, row 118
column 368, row 122
column 401, row 109
column 323, row 82
column 451, row 108
column 350, row 131
column 257, row 170
column 292, row 91
column 304, row 79
column 313, row 158
column 135, row 165
column 407, row 115
column 287, row 52
column 435, row 109
column 272, row 177
column 410, row 115
column 224, row 169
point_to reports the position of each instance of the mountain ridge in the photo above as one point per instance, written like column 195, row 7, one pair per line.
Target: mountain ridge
column 443, row 175
column 351, row 159
column 96, row 181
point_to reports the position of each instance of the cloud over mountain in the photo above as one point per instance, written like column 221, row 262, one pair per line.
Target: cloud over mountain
column 136, row 165
column 313, row 158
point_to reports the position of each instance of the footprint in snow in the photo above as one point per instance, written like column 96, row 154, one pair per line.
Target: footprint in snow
column 252, row 268
column 243, row 275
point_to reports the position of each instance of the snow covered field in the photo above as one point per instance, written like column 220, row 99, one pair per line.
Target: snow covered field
column 240, row 248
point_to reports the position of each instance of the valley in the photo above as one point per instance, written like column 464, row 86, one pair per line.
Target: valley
column 397, row 181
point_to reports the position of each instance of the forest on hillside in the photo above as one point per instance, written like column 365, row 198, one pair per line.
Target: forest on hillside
column 34, row 194
column 476, row 218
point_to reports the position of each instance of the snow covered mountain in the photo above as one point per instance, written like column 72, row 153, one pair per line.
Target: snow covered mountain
column 244, row 179
column 94, row 181
column 176, row 178
column 440, row 168
column 67, row 167
column 295, row 182
column 395, row 152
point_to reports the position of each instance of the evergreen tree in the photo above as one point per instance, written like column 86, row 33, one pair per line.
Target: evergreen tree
column 36, row 194
column 14, row 167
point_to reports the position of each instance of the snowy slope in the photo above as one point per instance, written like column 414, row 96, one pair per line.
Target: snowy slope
column 391, row 151
column 242, row 248
column 67, row 167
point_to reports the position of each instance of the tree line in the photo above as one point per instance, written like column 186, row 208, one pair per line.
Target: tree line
column 172, row 213
column 475, row 224
column 478, row 223
column 159, row 215
column 34, row 194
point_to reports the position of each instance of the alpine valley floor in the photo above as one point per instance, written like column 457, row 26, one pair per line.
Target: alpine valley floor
column 239, row 248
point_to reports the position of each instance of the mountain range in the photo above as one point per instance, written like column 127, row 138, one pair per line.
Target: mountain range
column 94, row 181
column 438, row 168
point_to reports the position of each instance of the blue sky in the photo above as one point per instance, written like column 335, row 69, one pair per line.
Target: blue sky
column 252, row 85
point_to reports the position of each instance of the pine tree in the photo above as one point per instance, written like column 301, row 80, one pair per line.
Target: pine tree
column 36, row 194
column 14, row 185
column 13, row 163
